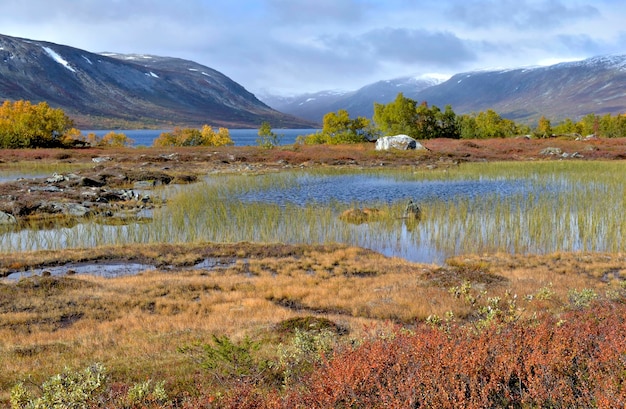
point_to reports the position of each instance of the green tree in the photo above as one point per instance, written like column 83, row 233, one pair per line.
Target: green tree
column 338, row 128
column 567, row 126
column 267, row 138
column 544, row 128
column 397, row 117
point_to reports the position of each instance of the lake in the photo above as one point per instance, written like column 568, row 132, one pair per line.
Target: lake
column 241, row 137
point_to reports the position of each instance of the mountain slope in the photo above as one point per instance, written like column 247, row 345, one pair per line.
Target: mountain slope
column 111, row 89
column 358, row 103
column 567, row 90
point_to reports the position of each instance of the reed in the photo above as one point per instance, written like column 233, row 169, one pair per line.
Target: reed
column 544, row 207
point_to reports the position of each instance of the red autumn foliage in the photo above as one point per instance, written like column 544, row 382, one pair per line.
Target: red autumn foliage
column 577, row 360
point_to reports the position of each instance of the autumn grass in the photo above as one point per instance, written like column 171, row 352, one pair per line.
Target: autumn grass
column 135, row 324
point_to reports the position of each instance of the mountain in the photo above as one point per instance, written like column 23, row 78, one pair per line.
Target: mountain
column 358, row 103
column 113, row 90
column 566, row 90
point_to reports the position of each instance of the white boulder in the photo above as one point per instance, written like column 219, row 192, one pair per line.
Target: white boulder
column 402, row 142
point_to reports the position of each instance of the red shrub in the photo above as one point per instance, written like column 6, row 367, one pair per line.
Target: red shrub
column 577, row 362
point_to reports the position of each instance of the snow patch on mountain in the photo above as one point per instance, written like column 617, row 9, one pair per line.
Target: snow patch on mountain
column 56, row 57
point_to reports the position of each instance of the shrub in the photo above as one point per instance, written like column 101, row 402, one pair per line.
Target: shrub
column 65, row 390
column 206, row 136
column 574, row 361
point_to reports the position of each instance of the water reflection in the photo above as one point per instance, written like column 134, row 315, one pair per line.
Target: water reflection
column 533, row 213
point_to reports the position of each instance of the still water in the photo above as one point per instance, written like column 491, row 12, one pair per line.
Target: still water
column 519, row 208
column 241, row 137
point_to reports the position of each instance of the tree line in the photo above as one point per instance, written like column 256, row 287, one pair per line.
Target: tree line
column 27, row 125
column 421, row 121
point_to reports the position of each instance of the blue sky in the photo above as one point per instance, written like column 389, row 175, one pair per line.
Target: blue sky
column 294, row 46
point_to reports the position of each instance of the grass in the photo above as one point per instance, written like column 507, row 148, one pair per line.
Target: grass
column 135, row 324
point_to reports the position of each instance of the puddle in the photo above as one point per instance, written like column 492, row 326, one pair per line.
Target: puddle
column 111, row 269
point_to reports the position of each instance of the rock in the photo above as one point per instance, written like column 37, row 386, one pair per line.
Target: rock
column 101, row 159
column 402, row 142
column 7, row 218
column 56, row 178
column 66, row 209
column 89, row 182
column 551, row 151
column 144, row 184
column 412, row 211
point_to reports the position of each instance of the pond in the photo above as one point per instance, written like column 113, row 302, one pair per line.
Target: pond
column 478, row 208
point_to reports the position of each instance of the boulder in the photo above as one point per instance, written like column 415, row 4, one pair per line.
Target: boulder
column 402, row 142
column 7, row 218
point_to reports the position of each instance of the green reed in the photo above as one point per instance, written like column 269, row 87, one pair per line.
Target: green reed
column 567, row 206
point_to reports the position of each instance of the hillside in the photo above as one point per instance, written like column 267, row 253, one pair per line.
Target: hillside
column 566, row 90
column 314, row 106
column 109, row 90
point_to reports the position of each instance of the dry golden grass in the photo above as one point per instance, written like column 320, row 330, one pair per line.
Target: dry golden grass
column 134, row 324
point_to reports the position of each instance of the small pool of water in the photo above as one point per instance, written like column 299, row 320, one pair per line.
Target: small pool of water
column 383, row 189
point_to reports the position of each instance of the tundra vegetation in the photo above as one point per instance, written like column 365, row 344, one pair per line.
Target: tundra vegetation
column 256, row 305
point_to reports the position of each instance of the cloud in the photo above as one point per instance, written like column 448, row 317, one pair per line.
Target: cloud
column 306, row 45
column 521, row 14
column 407, row 46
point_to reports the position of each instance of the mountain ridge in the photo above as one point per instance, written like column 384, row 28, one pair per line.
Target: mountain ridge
column 111, row 90
column 558, row 91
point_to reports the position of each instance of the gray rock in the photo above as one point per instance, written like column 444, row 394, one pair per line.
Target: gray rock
column 72, row 209
column 402, row 142
column 7, row 218
column 101, row 159
column 89, row 182
column 551, row 151
column 56, row 178
column 412, row 210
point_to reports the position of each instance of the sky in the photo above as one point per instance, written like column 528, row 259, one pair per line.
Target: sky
column 289, row 47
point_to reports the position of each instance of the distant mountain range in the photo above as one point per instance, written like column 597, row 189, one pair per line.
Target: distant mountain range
column 112, row 90
column 567, row 90
column 314, row 106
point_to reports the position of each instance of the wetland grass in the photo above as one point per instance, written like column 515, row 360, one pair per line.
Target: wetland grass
column 544, row 207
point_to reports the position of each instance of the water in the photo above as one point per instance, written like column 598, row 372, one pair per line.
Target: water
column 241, row 137
column 362, row 189
column 517, row 214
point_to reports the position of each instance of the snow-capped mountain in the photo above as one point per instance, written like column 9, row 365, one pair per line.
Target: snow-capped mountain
column 109, row 90
column 565, row 90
